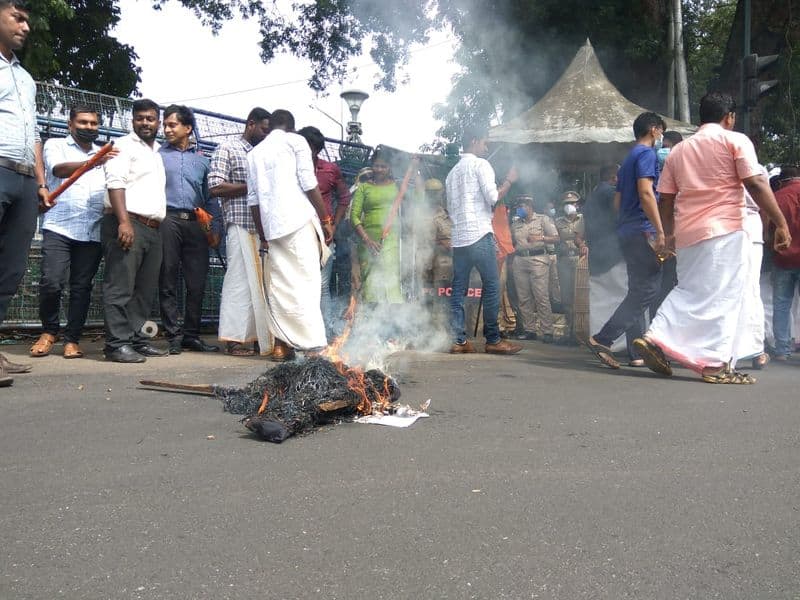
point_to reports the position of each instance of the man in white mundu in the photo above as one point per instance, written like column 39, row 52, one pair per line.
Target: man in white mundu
column 703, row 204
column 243, row 307
column 295, row 228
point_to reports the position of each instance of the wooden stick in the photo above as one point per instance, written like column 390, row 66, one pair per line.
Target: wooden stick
column 399, row 198
column 204, row 389
column 89, row 164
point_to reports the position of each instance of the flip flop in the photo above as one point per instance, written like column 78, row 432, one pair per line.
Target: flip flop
column 603, row 353
column 760, row 361
column 653, row 357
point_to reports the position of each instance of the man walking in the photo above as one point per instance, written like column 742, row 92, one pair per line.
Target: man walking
column 703, row 203
column 135, row 206
column 243, row 307
column 640, row 231
column 21, row 165
column 472, row 194
column 71, row 232
column 294, row 227
column 184, row 243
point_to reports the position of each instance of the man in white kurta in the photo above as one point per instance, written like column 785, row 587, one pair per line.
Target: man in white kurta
column 703, row 204
column 294, row 227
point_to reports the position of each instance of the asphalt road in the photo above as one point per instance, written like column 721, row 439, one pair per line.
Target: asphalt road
column 537, row 476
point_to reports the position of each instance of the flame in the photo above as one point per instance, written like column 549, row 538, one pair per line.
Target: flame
column 356, row 378
column 264, row 403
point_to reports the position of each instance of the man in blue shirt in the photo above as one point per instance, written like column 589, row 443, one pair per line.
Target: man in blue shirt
column 185, row 247
column 639, row 229
column 71, row 231
column 21, row 167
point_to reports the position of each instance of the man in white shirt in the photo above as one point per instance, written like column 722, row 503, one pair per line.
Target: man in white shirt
column 294, row 227
column 71, row 231
column 136, row 203
column 472, row 194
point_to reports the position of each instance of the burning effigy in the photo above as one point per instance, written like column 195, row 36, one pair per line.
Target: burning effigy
column 295, row 397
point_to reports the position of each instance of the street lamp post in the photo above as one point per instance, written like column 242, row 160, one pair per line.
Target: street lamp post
column 354, row 100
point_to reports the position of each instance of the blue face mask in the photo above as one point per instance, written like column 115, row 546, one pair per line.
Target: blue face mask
column 552, row 212
column 522, row 212
column 662, row 156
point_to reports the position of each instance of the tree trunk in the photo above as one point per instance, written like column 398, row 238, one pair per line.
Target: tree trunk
column 671, row 76
column 682, row 81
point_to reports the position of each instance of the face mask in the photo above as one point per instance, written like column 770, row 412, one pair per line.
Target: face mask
column 569, row 209
column 522, row 212
column 658, row 143
column 87, row 136
column 552, row 212
column 662, row 156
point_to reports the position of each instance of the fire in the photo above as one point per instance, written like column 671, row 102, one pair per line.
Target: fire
column 264, row 403
column 356, row 380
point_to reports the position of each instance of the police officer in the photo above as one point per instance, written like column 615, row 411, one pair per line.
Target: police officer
column 530, row 268
column 570, row 247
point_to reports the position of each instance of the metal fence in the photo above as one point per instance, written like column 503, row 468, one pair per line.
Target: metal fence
column 53, row 104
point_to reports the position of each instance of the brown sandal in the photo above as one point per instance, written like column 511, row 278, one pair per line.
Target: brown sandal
column 239, row 349
column 603, row 353
column 43, row 345
column 72, row 350
column 729, row 377
column 653, row 356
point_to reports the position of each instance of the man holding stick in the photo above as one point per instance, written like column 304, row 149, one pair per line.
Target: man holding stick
column 21, row 165
column 71, row 231
column 294, row 227
column 471, row 197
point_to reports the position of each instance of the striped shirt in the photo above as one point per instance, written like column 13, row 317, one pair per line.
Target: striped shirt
column 471, row 196
column 78, row 211
column 229, row 165
column 18, row 133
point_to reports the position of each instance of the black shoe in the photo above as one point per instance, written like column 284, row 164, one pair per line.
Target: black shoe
column 198, row 345
column 125, row 354
column 146, row 349
column 174, row 347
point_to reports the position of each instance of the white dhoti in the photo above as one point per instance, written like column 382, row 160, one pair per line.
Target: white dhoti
column 606, row 293
column 293, row 287
column 243, row 306
column 697, row 322
column 749, row 341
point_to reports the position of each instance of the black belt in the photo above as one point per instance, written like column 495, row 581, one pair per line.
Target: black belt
column 17, row 167
column 151, row 223
column 183, row 215
column 531, row 252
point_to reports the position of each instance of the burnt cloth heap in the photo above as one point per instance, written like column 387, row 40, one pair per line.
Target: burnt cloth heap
column 303, row 395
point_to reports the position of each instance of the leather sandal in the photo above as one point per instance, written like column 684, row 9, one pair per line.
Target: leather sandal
column 43, row 345
column 603, row 353
column 238, row 349
column 72, row 350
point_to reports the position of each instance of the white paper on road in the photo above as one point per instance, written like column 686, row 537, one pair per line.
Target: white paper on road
column 392, row 420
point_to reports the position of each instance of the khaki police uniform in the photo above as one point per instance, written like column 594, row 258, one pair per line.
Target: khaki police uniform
column 531, row 271
column 442, row 267
column 568, row 254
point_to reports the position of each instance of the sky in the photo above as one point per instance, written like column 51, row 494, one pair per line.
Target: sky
column 182, row 62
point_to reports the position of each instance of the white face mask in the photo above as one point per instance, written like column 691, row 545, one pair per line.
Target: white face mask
column 569, row 209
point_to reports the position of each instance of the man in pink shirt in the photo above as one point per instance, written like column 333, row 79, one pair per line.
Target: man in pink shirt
column 703, row 207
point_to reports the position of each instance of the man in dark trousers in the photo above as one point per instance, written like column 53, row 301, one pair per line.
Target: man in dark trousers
column 135, row 207
column 21, row 165
column 184, row 241
column 639, row 229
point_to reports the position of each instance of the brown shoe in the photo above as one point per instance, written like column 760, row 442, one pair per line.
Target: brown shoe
column 502, row 347
column 465, row 348
column 72, row 350
column 281, row 352
column 43, row 345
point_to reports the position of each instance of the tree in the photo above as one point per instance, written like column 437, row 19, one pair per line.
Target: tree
column 70, row 44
